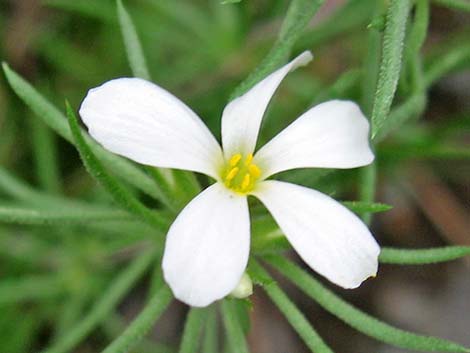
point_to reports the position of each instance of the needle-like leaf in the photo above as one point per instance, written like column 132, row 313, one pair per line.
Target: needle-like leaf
column 117, row 190
column 358, row 319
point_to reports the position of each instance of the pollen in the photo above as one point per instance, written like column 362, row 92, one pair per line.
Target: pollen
column 240, row 174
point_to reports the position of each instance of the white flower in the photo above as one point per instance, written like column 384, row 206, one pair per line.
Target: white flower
column 208, row 244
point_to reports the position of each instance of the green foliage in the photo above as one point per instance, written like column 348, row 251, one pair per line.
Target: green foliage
column 298, row 15
column 31, row 288
column 393, row 39
column 422, row 256
column 454, row 4
column 142, row 323
column 233, row 328
column 362, row 206
column 118, row 191
column 358, row 319
column 292, row 313
column 58, row 122
column 104, row 304
column 192, row 330
column 65, row 246
column 210, row 343
column 20, row 215
column 134, row 50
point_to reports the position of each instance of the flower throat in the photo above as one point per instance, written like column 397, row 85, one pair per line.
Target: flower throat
column 240, row 175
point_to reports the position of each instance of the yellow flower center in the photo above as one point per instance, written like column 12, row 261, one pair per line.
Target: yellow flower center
column 240, row 175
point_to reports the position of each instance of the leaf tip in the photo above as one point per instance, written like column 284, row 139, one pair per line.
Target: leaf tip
column 5, row 66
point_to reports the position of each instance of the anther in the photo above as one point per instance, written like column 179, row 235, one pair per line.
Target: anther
column 249, row 159
column 235, row 159
column 232, row 173
column 246, row 182
column 254, row 171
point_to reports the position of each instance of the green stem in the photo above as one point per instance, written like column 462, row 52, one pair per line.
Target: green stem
column 295, row 317
column 210, row 343
column 235, row 337
column 45, row 155
column 389, row 73
column 118, row 191
column 356, row 318
column 104, row 305
column 142, row 323
column 192, row 330
column 422, row 256
column 298, row 16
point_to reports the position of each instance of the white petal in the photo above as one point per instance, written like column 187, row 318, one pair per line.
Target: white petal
column 327, row 236
column 207, row 247
column 242, row 117
column 142, row 121
column 333, row 134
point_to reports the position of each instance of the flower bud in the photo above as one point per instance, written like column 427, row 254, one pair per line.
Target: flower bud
column 244, row 288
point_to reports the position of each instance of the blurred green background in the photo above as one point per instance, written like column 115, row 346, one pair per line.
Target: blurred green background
column 200, row 50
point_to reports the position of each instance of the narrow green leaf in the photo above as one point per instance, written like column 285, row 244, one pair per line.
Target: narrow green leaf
column 415, row 41
column 45, row 156
column 225, row 2
column 31, row 288
column 104, row 305
column 186, row 186
column 394, row 35
column 370, row 73
column 293, row 315
column 162, row 178
column 298, row 16
column 115, row 325
column 135, row 53
column 463, row 5
column 235, row 337
column 356, row 318
column 362, row 206
column 449, row 61
column 59, row 216
column 119, row 192
column 371, row 64
column 422, row 256
column 192, row 330
column 367, row 191
column 210, row 343
column 17, row 189
column 58, row 122
column 70, row 312
column 142, row 323
column 404, row 112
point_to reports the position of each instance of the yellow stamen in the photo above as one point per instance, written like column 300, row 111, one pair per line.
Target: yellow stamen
column 249, row 159
column 232, row 173
column 245, row 182
column 235, row 159
column 240, row 174
column 254, row 170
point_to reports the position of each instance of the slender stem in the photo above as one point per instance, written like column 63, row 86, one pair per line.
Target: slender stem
column 104, row 305
column 192, row 330
column 236, row 338
column 142, row 323
column 293, row 315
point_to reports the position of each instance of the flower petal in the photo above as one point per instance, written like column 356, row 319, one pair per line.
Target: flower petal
column 207, row 247
column 242, row 117
column 327, row 236
column 333, row 134
column 142, row 121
